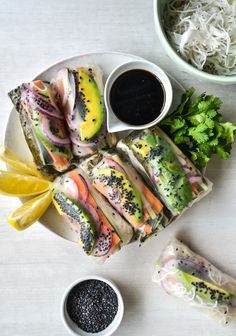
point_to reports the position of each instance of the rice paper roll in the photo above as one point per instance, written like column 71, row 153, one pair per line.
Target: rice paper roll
column 101, row 230
column 43, row 125
column 81, row 96
column 127, row 192
column 186, row 275
column 166, row 168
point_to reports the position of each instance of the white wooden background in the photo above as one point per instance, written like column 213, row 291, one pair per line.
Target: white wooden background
column 36, row 265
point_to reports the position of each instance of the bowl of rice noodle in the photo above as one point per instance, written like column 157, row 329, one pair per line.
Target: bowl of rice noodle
column 199, row 36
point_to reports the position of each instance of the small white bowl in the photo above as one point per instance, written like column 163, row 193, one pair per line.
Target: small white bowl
column 73, row 328
column 114, row 124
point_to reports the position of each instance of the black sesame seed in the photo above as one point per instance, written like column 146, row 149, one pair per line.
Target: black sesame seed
column 92, row 305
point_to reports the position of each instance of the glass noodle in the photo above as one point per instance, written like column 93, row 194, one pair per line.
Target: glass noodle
column 203, row 33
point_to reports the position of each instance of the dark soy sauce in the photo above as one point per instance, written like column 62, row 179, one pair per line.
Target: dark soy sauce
column 137, row 97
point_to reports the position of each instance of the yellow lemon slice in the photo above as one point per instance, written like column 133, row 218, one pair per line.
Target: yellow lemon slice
column 13, row 184
column 30, row 211
column 12, row 160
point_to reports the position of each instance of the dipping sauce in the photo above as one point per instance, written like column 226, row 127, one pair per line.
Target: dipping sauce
column 137, row 97
column 92, row 305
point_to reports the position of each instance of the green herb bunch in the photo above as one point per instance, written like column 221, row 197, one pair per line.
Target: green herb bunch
column 198, row 129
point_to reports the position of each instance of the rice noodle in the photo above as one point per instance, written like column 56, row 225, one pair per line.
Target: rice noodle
column 203, row 33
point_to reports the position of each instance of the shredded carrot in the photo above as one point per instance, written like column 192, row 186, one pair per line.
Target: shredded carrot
column 148, row 228
column 39, row 84
column 155, row 203
column 146, row 215
column 195, row 188
column 80, row 183
column 107, row 224
column 60, row 162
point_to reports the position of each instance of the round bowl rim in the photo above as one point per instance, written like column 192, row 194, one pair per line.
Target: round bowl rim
column 139, row 64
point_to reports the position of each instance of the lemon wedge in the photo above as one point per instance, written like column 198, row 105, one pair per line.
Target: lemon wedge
column 30, row 211
column 13, row 184
column 12, row 160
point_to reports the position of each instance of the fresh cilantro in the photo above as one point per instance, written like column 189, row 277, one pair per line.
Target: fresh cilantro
column 197, row 127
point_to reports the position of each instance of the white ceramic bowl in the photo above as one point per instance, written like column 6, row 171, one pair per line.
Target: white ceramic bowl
column 73, row 328
column 116, row 125
column 158, row 9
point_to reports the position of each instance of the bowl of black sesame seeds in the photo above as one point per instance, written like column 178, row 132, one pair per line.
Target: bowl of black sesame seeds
column 92, row 306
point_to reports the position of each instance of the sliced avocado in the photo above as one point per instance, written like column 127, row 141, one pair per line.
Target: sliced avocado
column 141, row 148
column 160, row 160
column 144, row 144
column 76, row 213
column 93, row 105
column 119, row 186
column 203, row 289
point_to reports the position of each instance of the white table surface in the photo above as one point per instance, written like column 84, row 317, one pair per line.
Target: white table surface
column 36, row 265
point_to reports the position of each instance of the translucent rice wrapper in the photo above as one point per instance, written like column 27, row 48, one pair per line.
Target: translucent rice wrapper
column 187, row 275
column 43, row 126
column 127, row 192
column 164, row 166
column 81, row 100
column 100, row 230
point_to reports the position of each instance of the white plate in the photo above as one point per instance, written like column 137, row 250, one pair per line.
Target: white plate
column 14, row 138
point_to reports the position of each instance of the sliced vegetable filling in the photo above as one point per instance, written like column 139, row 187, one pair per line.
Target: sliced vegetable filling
column 47, row 122
column 125, row 190
column 165, row 167
column 73, row 200
column 121, row 194
column 81, row 98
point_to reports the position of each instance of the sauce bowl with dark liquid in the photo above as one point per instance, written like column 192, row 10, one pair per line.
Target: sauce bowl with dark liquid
column 137, row 95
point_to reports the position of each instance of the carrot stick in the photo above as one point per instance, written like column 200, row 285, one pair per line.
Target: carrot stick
column 80, row 184
column 148, row 228
column 155, row 203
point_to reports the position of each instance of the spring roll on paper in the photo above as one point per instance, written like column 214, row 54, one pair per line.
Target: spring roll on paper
column 188, row 276
column 43, row 125
column 127, row 192
column 101, row 230
column 81, row 96
column 166, row 168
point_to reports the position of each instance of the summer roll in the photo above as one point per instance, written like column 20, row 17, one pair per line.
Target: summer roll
column 43, row 125
column 166, row 168
column 101, row 230
column 188, row 276
column 127, row 192
column 81, row 96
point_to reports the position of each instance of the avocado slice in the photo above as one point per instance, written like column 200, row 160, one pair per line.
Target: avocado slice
column 120, row 192
column 76, row 213
column 158, row 159
column 208, row 292
column 142, row 146
column 92, row 105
